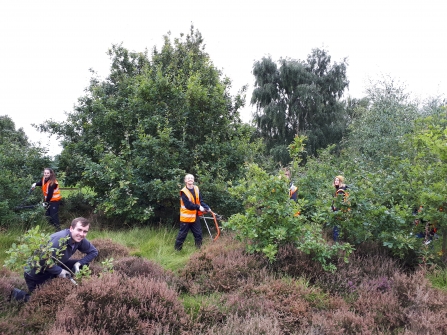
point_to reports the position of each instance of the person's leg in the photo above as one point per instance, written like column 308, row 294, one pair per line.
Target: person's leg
column 196, row 229
column 181, row 237
column 335, row 233
column 34, row 281
column 19, row 295
column 53, row 213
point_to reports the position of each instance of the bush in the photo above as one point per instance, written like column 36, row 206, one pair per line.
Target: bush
column 222, row 266
column 293, row 262
column 107, row 248
column 39, row 314
column 75, row 205
column 349, row 276
column 251, row 325
column 136, row 266
column 115, row 304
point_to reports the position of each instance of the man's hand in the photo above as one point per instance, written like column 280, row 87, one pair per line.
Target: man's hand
column 76, row 267
column 64, row 274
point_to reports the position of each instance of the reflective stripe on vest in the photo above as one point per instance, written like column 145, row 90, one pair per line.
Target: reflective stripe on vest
column 187, row 215
column 56, row 193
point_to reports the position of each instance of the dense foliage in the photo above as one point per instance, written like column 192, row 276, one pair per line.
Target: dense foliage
column 21, row 163
column 299, row 98
column 134, row 135
column 396, row 192
column 272, row 220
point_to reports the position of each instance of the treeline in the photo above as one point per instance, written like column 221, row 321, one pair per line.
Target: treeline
column 159, row 115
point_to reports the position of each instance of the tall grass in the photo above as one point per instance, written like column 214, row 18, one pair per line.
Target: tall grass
column 156, row 244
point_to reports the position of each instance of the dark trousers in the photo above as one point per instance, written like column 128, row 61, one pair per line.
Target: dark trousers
column 196, row 229
column 53, row 214
column 35, row 280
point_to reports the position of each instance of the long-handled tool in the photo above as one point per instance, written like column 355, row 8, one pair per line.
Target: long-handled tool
column 215, row 217
column 22, row 206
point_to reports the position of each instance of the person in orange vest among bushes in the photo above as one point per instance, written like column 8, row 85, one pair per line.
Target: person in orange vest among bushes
column 340, row 189
column 52, row 196
column 292, row 188
column 191, row 206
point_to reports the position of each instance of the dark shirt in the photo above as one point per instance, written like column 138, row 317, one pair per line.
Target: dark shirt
column 190, row 205
column 84, row 246
column 50, row 189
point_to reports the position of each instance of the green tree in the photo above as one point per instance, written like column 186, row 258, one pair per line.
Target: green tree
column 134, row 135
column 271, row 219
column 299, row 98
column 377, row 129
column 21, row 164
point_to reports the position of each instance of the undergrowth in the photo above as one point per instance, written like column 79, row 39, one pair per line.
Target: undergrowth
column 221, row 289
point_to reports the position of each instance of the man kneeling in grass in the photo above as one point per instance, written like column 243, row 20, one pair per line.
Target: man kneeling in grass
column 73, row 239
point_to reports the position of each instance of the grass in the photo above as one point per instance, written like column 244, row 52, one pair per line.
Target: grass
column 156, row 244
column 438, row 278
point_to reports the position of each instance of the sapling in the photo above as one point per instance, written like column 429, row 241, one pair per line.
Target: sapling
column 34, row 250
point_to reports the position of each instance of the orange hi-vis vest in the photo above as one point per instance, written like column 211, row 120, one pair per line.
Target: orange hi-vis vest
column 56, row 193
column 292, row 190
column 188, row 215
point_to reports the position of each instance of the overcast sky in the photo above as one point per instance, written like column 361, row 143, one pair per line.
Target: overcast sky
column 48, row 47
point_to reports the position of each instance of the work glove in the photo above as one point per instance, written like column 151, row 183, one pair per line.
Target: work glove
column 76, row 267
column 64, row 274
column 45, row 205
column 201, row 209
column 33, row 186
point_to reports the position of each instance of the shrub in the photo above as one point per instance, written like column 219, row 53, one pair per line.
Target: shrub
column 107, row 248
column 349, row 276
column 37, row 315
column 340, row 322
column 136, row 266
column 293, row 262
column 115, row 304
column 8, row 309
column 222, row 266
column 75, row 205
column 247, row 325
column 376, row 300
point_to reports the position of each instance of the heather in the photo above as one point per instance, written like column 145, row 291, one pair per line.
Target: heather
column 222, row 289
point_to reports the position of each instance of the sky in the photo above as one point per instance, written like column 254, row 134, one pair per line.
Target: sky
column 48, row 47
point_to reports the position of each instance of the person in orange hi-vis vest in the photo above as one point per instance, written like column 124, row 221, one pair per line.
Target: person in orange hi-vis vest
column 292, row 188
column 340, row 189
column 52, row 196
column 191, row 207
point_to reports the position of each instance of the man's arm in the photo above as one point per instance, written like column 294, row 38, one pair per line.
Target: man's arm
column 204, row 205
column 188, row 204
column 87, row 248
column 55, row 241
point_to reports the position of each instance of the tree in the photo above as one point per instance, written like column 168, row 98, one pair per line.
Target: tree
column 21, row 163
column 134, row 135
column 299, row 98
column 271, row 220
column 377, row 129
